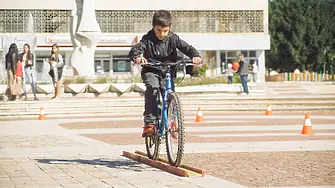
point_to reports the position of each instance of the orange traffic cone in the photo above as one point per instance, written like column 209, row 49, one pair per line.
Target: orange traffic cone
column 42, row 115
column 268, row 111
column 307, row 128
column 199, row 117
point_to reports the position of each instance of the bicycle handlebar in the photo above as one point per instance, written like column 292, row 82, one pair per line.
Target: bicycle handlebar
column 153, row 62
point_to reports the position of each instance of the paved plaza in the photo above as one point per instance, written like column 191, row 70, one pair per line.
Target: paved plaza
column 235, row 149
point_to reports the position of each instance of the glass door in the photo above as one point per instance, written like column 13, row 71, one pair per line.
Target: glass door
column 102, row 66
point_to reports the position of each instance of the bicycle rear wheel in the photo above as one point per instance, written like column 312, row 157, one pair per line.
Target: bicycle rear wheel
column 152, row 145
column 152, row 142
column 175, row 137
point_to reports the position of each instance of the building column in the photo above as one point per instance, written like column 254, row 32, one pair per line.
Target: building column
column 266, row 21
column 70, row 71
column 111, row 64
column 261, row 63
column 67, row 58
column 218, row 63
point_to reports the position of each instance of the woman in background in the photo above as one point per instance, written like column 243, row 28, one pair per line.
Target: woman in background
column 12, row 58
column 56, row 69
column 27, row 62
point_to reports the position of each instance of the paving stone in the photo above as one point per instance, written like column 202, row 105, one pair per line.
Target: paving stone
column 6, row 182
column 23, row 181
column 66, row 180
column 45, row 181
column 74, row 186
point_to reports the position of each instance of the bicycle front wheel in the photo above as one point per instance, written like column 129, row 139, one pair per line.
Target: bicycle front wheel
column 175, row 137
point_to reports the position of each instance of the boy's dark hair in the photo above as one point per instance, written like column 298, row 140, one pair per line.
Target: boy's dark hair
column 162, row 18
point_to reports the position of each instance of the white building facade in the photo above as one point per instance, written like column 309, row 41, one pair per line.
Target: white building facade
column 219, row 29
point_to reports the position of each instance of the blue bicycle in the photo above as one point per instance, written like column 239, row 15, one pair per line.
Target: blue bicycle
column 170, row 118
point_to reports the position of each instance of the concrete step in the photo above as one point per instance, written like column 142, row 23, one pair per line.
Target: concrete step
column 140, row 103
column 139, row 111
column 184, row 98
column 108, row 105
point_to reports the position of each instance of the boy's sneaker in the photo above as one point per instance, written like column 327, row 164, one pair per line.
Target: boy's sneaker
column 148, row 129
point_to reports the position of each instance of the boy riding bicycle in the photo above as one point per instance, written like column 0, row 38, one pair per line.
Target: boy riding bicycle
column 159, row 44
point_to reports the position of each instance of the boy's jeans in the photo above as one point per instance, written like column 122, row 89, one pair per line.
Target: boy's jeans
column 244, row 80
column 151, row 81
column 29, row 76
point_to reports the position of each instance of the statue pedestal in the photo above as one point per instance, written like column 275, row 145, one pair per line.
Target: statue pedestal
column 82, row 62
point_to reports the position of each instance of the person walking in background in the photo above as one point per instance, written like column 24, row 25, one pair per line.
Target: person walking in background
column 27, row 61
column 243, row 72
column 257, row 70
column 56, row 69
column 230, row 73
column 254, row 72
column 11, row 60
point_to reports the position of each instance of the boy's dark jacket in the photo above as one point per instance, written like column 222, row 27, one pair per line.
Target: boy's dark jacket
column 166, row 50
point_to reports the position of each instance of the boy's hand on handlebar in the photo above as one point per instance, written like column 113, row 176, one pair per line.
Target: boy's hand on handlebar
column 196, row 60
column 140, row 60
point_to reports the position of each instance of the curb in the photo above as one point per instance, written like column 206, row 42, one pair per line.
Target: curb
column 198, row 171
column 160, row 165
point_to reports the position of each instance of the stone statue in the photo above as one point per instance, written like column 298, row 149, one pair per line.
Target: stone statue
column 85, row 34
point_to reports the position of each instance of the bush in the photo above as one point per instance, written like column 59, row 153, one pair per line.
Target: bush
column 75, row 80
column 192, row 81
column 199, row 71
column 103, row 80
column 236, row 79
column 134, row 79
column 80, row 80
column 67, row 81
column 201, row 81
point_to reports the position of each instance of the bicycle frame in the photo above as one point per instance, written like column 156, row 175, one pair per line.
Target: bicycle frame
column 164, row 124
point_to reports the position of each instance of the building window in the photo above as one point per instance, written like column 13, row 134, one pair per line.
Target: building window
column 102, row 66
column 121, row 64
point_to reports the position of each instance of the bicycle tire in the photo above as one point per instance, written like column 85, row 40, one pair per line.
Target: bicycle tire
column 175, row 158
column 152, row 146
column 153, row 142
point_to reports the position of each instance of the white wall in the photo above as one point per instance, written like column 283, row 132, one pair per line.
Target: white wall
column 227, row 41
column 141, row 4
column 261, row 70
column 199, row 41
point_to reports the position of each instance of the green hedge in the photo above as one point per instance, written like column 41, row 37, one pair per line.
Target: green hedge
column 136, row 79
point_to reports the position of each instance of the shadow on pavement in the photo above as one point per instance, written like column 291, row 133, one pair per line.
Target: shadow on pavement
column 117, row 164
